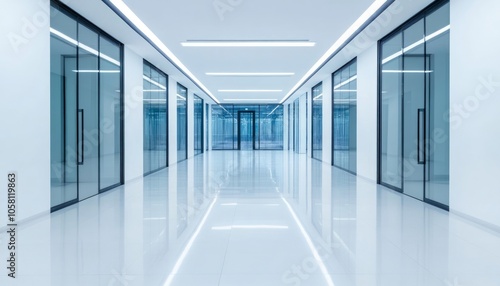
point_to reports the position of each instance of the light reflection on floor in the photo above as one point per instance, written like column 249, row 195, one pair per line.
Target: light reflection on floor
column 253, row 218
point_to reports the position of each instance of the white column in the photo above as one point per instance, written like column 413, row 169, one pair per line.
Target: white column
column 367, row 114
column 190, row 124
column 133, row 106
column 327, row 120
column 172, row 121
column 25, row 106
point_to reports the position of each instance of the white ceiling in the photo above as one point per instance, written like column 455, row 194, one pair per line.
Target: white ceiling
column 320, row 21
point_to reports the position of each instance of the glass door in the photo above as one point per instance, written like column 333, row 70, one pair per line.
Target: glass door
column 414, row 112
column 246, row 130
column 88, row 108
column 414, row 108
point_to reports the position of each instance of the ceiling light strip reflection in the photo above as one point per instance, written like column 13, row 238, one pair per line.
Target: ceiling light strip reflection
column 154, row 82
column 309, row 242
column 97, row 71
column 83, row 46
column 345, row 90
column 318, row 97
column 181, row 258
column 406, row 71
column 363, row 21
column 416, row 44
column 353, row 78
column 122, row 10
column 272, row 111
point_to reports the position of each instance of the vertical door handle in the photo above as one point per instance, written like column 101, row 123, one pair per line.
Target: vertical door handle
column 421, row 136
column 81, row 146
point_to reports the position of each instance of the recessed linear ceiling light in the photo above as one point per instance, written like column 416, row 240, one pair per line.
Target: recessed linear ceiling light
column 250, row 73
column 122, row 10
column 377, row 7
column 249, row 43
column 250, row 90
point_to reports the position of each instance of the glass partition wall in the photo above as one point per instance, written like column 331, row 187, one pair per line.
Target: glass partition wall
column 345, row 90
column 182, row 96
column 155, row 114
column 414, row 107
column 86, row 109
column 249, row 127
column 317, row 121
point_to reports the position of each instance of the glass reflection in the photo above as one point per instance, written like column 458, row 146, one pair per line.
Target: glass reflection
column 317, row 121
column 260, row 124
column 155, row 114
column 345, row 117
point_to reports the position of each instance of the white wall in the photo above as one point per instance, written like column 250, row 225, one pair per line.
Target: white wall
column 309, row 124
column 209, row 127
column 172, row 121
column 367, row 114
column 25, row 106
column 133, row 104
column 285, row 127
column 190, row 124
column 327, row 120
column 475, row 116
column 302, row 124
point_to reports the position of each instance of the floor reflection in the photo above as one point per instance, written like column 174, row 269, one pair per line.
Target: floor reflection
column 254, row 218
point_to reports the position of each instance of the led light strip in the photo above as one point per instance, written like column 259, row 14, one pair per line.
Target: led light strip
column 406, row 71
column 97, row 71
column 317, row 97
column 184, row 253
column 416, row 44
column 345, row 90
column 251, row 44
column 250, row 90
column 83, row 46
column 346, row 82
column 154, row 82
column 231, row 227
column 250, row 99
column 250, row 74
column 136, row 23
column 375, row 9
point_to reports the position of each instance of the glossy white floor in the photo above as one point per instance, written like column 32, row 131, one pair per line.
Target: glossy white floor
column 254, row 218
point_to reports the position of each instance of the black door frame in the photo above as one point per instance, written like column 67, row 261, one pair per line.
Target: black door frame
column 253, row 128
column 417, row 17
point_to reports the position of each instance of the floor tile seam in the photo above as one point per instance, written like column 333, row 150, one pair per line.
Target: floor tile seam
column 227, row 246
